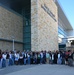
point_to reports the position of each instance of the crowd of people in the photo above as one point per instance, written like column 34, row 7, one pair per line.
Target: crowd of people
column 9, row 58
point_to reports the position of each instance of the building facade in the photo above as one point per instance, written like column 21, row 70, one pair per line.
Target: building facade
column 11, row 26
column 44, row 25
column 33, row 24
column 65, row 30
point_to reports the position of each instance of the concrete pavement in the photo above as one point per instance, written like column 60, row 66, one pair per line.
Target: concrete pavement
column 38, row 70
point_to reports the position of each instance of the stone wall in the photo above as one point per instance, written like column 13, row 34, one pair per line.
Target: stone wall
column 44, row 27
column 11, row 25
column 34, row 25
column 4, row 45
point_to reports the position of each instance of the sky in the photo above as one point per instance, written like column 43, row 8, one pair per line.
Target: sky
column 68, row 8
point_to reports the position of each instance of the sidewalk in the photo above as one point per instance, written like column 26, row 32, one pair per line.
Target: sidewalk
column 44, row 70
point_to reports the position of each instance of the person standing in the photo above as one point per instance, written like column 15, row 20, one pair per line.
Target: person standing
column 59, row 60
column 52, row 58
column 4, row 55
column 0, row 58
column 47, row 57
column 16, row 58
column 41, row 57
column 55, row 57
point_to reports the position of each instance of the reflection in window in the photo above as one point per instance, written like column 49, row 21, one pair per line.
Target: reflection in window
column 26, row 23
column 59, row 40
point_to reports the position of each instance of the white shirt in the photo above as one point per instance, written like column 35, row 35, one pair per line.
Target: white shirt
column 16, row 55
column 4, row 56
column 41, row 55
column 52, row 56
column 10, row 55
column 58, row 55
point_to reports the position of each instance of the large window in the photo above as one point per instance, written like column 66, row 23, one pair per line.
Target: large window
column 62, row 33
column 26, row 11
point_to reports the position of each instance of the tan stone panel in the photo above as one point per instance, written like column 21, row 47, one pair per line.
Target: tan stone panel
column 11, row 25
column 44, row 27
column 9, row 46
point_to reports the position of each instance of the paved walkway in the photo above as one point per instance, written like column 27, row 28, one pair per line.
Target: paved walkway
column 38, row 70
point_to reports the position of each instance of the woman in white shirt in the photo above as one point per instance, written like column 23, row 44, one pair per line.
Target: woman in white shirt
column 16, row 58
column 4, row 55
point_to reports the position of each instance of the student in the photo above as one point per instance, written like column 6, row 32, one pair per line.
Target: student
column 0, row 58
column 11, row 61
column 47, row 57
column 28, row 58
column 16, row 58
column 21, row 61
column 59, row 60
column 25, row 58
column 4, row 59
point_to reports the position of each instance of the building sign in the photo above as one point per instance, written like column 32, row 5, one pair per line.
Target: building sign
column 46, row 9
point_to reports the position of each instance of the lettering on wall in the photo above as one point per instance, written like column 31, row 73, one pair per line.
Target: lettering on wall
column 46, row 9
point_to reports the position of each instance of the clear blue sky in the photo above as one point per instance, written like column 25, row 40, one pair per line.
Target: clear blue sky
column 68, row 7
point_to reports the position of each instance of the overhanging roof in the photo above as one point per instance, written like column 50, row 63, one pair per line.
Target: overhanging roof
column 16, row 5
column 63, row 17
column 13, row 2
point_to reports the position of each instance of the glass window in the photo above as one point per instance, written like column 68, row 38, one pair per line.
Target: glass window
column 27, row 40
column 26, row 22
